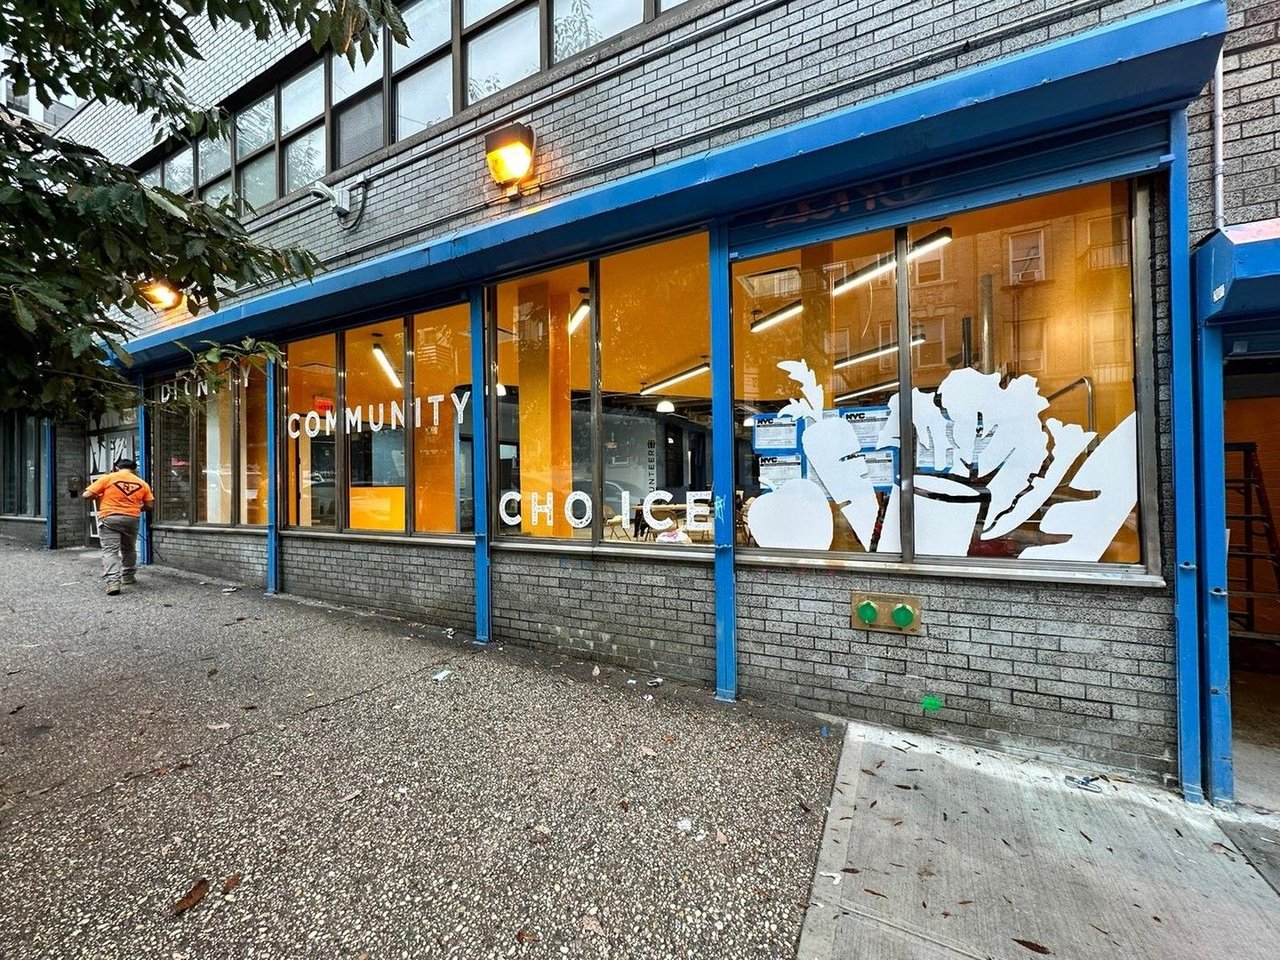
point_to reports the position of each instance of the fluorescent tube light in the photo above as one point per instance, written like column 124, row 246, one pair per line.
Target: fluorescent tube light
column 872, row 354
column 580, row 312
column 874, row 388
column 672, row 381
column 381, row 356
column 777, row 316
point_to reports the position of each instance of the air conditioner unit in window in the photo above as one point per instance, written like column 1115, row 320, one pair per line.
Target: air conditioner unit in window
column 1028, row 276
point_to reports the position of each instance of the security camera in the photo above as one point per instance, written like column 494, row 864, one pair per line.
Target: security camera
column 340, row 202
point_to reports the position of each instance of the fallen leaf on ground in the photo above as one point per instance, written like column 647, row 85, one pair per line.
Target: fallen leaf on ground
column 230, row 883
column 592, row 925
column 1223, row 849
column 218, row 726
column 1086, row 836
column 850, row 870
column 648, row 752
column 16, row 709
column 190, row 898
column 869, row 773
column 351, row 796
column 1033, row 946
column 874, row 893
column 720, row 837
column 526, row 936
column 625, row 805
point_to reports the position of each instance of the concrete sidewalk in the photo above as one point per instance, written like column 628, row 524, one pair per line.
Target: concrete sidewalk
column 936, row 851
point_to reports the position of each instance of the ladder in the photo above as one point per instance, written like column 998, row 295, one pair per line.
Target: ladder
column 1254, row 542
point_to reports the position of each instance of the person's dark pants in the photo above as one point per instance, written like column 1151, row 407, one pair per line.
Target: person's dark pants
column 119, row 537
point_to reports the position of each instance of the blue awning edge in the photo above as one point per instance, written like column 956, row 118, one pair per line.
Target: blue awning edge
column 1237, row 275
column 1160, row 59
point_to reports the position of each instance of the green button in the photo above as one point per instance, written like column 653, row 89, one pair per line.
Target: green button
column 868, row 611
column 903, row 616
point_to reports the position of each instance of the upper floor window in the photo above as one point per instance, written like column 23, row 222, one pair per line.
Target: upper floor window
column 333, row 113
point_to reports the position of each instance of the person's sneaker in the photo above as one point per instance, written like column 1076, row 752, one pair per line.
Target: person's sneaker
column 113, row 589
column 129, row 581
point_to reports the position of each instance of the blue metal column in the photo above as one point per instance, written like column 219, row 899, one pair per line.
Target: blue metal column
column 480, row 407
column 1185, row 480
column 273, row 482
column 1216, row 663
column 47, row 499
column 144, row 522
column 722, row 464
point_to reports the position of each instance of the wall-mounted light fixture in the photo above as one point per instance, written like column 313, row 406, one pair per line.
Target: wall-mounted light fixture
column 874, row 388
column 863, row 275
column 674, row 379
column 509, row 153
column 161, row 294
column 581, row 311
column 381, row 356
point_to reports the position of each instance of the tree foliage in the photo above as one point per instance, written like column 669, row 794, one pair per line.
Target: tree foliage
column 80, row 235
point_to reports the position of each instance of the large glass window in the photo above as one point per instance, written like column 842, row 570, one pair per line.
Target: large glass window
column 1019, row 324
column 375, row 391
column 544, row 471
column 215, row 419
column 173, row 458
column 443, row 424
column 21, row 451
column 655, row 389
column 503, row 54
column 255, row 434
column 312, row 429
column 584, row 23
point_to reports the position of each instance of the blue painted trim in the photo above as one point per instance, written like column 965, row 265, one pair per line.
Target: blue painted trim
column 1216, row 663
column 49, row 469
column 1159, row 58
column 144, row 471
column 480, row 463
column 1238, row 278
column 1185, row 480
column 273, row 481
column 722, row 439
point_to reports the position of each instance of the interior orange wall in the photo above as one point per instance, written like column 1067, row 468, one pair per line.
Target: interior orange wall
column 1256, row 420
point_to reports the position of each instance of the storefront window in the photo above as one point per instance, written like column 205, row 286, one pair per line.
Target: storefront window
column 214, row 443
column 543, row 475
column 254, row 437
column 655, row 389
column 21, row 449
column 816, row 358
column 443, row 408
column 1021, row 372
column 311, row 413
column 375, row 394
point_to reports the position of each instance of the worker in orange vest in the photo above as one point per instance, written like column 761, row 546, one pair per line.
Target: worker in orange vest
column 122, row 495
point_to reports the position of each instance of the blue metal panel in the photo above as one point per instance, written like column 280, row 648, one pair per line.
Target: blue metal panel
column 1107, row 152
column 480, row 462
column 48, row 479
column 1238, row 277
column 144, row 471
column 1185, row 480
column 1159, row 58
column 723, row 425
column 273, row 480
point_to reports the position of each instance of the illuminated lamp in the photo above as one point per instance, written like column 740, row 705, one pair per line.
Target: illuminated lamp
column 161, row 294
column 666, row 406
column 509, row 153
column 581, row 311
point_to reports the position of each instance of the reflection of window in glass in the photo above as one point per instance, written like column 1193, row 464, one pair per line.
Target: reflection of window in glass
column 215, row 158
column 179, row 175
column 255, row 126
column 655, row 386
column 1109, row 242
column 429, row 28
column 304, row 160
column 375, row 379
column 258, row 181
column 543, row 405
column 583, row 23
column 473, row 11
column 444, row 495
column 254, row 436
column 503, row 54
column 313, row 423
column 1025, row 437
column 359, row 129
column 173, row 462
column 928, row 267
column 302, row 98
column 822, row 313
column 1026, row 257
column 348, row 80
column 424, row 97
column 215, row 418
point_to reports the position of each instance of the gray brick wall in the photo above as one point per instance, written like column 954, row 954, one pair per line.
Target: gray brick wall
column 239, row 555
column 429, row 583
column 650, row 615
column 71, row 511
column 23, row 530
column 1251, row 123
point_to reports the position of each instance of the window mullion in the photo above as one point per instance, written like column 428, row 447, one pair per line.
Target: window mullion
column 597, row 406
column 906, row 422
column 341, row 477
column 459, row 71
column 410, row 434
